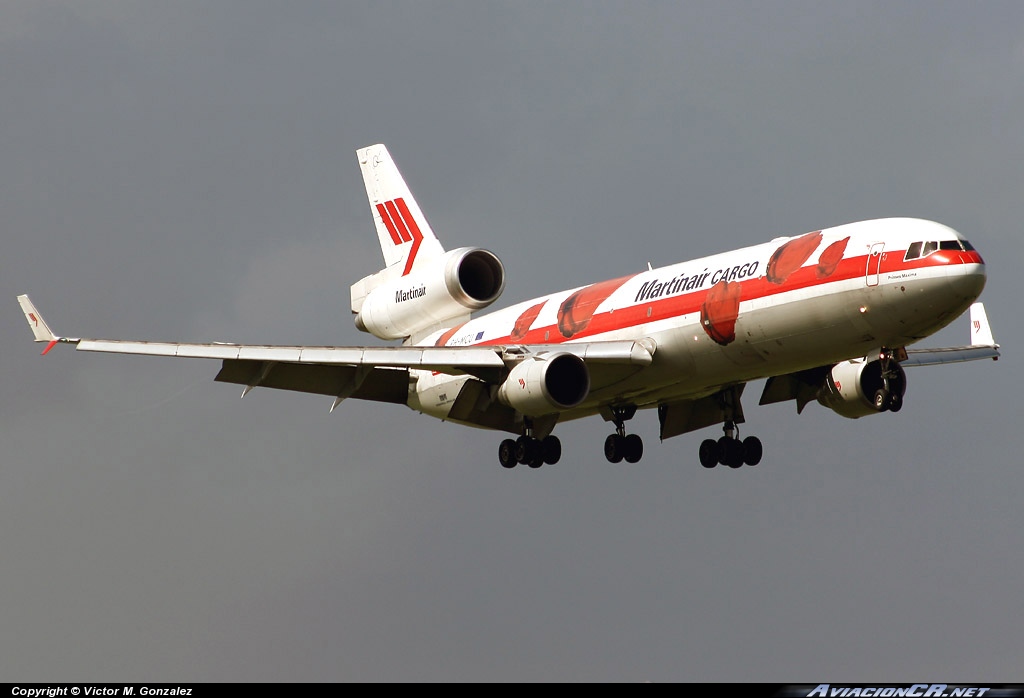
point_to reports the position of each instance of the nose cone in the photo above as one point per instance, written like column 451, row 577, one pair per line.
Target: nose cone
column 966, row 276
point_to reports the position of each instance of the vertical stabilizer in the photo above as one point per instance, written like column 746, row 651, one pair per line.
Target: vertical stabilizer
column 404, row 234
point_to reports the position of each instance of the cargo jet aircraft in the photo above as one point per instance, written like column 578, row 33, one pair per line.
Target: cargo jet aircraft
column 824, row 316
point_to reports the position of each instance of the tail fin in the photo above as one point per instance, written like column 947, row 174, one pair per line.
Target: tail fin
column 404, row 234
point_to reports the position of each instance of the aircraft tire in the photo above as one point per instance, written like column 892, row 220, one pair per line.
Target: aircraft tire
column 634, row 448
column 752, row 450
column 881, row 399
column 895, row 402
column 551, row 447
column 708, row 453
column 507, row 453
column 730, row 452
column 613, row 448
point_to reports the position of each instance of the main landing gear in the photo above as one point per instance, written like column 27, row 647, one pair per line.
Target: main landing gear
column 730, row 451
column 620, row 446
column 529, row 450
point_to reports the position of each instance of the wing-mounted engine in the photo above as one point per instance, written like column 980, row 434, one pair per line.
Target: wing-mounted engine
column 545, row 384
column 445, row 289
column 857, row 388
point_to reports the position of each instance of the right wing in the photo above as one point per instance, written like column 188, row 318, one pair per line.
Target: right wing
column 371, row 373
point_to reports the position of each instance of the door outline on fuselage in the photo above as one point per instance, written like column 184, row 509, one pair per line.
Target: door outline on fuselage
column 874, row 263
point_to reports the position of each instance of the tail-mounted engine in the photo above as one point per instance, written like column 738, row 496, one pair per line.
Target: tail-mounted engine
column 447, row 288
column 857, row 388
column 545, row 384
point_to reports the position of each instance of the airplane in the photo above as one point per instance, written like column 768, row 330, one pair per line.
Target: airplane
column 826, row 316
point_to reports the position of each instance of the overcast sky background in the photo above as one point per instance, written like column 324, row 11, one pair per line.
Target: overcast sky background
column 187, row 171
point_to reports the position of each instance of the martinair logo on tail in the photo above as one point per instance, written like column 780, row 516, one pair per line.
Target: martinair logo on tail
column 402, row 227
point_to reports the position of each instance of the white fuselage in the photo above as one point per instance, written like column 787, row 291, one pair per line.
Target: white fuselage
column 783, row 306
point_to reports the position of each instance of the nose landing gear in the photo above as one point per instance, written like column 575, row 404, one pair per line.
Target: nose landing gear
column 889, row 398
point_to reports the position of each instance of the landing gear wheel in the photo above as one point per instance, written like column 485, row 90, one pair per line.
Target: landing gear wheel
column 614, row 448
column 881, row 399
column 895, row 402
column 634, row 448
column 730, row 452
column 709, row 453
column 538, row 458
column 752, row 450
column 551, row 448
column 528, row 450
column 507, row 453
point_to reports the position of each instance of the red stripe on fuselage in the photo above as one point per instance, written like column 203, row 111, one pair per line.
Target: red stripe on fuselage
column 751, row 289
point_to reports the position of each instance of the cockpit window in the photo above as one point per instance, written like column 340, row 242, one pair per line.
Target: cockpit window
column 923, row 249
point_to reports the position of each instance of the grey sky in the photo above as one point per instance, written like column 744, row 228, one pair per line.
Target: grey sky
column 187, row 171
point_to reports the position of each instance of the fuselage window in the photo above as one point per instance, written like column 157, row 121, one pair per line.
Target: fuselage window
column 913, row 252
column 929, row 247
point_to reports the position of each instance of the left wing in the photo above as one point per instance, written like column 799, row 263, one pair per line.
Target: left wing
column 983, row 345
column 804, row 386
column 372, row 373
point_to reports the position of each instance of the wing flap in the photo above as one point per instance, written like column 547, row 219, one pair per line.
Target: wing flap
column 379, row 384
column 685, row 416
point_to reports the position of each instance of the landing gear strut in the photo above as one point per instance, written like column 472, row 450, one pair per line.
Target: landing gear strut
column 889, row 398
column 729, row 450
column 619, row 446
column 529, row 450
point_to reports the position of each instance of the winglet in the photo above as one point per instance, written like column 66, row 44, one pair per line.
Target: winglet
column 40, row 329
column 981, row 332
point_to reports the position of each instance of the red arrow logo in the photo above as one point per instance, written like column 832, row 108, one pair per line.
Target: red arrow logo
column 401, row 227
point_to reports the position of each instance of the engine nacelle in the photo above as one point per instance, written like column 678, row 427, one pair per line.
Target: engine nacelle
column 449, row 287
column 850, row 387
column 546, row 384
